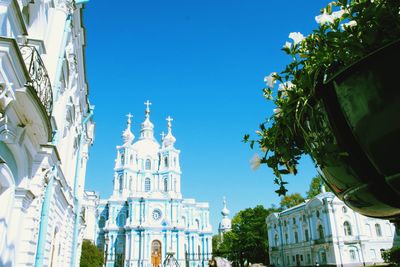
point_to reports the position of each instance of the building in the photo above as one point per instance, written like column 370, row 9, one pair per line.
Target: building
column 146, row 216
column 225, row 224
column 89, row 211
column 324, row 230
column 46, row 130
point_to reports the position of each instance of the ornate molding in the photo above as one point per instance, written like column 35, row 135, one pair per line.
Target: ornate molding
column 7, row 95
column 24, row 198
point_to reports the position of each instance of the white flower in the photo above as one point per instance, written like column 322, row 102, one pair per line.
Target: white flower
column 297, row 37
column 270, row 80
column 349, row 24
column 277, row 112
column 255, row 162
column 287, row 86
column 288, row 45
column 324, row 18
column 337, row 14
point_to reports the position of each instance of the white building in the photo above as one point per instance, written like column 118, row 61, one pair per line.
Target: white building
column 146, row 216
column 324, row 231
column 225, row 224
column 45, row 132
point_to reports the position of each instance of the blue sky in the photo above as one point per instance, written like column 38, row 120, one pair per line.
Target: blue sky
column 203, row 63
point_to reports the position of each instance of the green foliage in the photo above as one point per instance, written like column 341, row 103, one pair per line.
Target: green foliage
column 392, row 255
column 91, row 255
column 348, row 30
column 315, row 187
column 247, row 241
column 291, row 200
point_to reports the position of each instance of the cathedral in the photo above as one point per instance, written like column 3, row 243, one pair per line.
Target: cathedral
column 146, row 220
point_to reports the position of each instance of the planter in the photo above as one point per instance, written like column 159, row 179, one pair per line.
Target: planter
column 361, row 108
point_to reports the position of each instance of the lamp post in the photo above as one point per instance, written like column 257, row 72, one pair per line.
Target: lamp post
column 106, row 241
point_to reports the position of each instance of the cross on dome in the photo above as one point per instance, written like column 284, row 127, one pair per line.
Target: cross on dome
column 169, row 119
column 162, row 135
column 129, row 115
column 148, row 104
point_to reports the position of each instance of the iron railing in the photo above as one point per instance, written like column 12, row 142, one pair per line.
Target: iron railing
column 39, row 78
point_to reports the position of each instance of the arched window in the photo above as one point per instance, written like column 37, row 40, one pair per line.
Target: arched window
column 378, row 229
column 131, row 159
column 122, row 158
column 197, row 222
column 147, row 185
column 321, row 231
column 148, row 165
column 296, row 237
column 165, row 184
column 121, row 182
column 347, row 228
column 166, row 161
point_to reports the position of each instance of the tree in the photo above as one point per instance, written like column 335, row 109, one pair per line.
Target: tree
column 248, row 239
column 315, row 187
column 91, row 256
column 291, row 200
column 392, row 255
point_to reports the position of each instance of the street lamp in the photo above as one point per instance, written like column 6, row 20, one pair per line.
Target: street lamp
column 106, row 241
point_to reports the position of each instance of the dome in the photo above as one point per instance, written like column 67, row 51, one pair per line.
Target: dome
column 169, row 139
column 127, row 135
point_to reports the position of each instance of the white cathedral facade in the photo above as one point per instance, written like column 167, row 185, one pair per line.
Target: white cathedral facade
column 146, row 216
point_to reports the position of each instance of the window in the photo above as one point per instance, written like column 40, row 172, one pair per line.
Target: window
column 306, row 235
column 368, row 229
column 165, row 184
column 284, row 223
column 372, row 253
column 147, row 185
column 131, row 159
column 296, row 237
column 301, row 257
column 304, row 217
column 308, row 258
column 276, row 240
column 352, row 254
column 293, row 258
column 378, row 229
column 286, row 238
column 347, row 228
column 166, row 161
column 197, row 222
column 294, row 220
column 344, row 209
column 321, row 231
column 317, row 213
column 148, row 165
column 122, row 158
column 121, row 182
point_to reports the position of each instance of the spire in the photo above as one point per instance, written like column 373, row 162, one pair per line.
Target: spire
column 225, row 224
column 127, row 135
column 147, row 131
column 169, row 139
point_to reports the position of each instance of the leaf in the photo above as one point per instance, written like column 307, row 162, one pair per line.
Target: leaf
column 252, row 144
column 246, row 138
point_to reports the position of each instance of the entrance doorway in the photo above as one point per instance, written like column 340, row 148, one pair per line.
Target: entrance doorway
column 156, row 253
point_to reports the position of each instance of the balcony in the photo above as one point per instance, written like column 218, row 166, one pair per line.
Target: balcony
column 39, row 79
column 320, row 241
